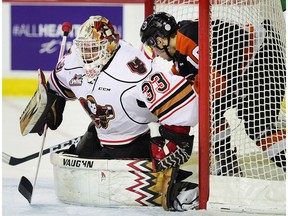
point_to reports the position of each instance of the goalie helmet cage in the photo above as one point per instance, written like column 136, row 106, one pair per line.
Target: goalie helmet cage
column 254, row 183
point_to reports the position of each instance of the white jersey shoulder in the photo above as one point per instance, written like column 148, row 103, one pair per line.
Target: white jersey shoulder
column 72, row 61
column 134, row 65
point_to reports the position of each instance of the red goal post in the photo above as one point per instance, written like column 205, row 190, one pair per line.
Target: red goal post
column 204, row 98
column 247, row 175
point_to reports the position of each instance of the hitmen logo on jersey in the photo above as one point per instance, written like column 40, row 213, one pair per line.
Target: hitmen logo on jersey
column 101, row 115
column 77, row 80
column 137, row 66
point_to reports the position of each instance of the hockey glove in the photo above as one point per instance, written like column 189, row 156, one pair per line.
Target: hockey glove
column 55, row 113
column 169, row 148
column 45, row 107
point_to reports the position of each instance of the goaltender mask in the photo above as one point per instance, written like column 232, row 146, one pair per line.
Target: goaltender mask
column 137, row 110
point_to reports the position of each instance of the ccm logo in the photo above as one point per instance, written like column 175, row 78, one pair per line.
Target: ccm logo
column 104, row 89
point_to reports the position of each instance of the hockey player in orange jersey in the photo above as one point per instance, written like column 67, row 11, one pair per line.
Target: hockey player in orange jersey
column 259, row 108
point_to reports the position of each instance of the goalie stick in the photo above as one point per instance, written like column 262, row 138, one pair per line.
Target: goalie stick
column 25, row 187
column 10, row 160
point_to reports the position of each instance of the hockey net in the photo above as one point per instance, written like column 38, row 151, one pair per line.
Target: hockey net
column 247, row 118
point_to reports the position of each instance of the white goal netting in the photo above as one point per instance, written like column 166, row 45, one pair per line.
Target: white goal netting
column 247, row 101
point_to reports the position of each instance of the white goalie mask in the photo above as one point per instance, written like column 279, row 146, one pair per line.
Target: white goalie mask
column 95, row 44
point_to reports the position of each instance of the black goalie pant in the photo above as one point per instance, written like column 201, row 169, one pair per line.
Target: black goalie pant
column 89, row 147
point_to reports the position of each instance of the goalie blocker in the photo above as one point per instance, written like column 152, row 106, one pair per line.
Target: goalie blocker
column 45, row 107
column 121, row 183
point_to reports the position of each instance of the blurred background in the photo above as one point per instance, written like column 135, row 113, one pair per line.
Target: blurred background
column 32, row 33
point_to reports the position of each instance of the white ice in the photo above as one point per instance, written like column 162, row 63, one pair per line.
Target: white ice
column 44, row 200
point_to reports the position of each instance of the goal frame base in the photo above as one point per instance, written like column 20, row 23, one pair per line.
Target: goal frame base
column 247, row 195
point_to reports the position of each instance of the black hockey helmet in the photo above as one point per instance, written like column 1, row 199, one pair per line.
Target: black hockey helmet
column 160, row 24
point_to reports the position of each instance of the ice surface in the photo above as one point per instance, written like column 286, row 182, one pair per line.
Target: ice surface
column 44, row 200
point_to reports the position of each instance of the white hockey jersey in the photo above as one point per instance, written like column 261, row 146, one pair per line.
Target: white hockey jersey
column 130, row 92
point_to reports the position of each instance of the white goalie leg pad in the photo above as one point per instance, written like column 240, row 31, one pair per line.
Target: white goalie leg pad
column 106, row 183
column 35, row 107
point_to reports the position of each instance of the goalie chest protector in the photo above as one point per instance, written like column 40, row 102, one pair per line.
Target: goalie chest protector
column 105, row 183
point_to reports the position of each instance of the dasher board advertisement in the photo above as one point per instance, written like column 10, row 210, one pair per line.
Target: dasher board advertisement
column 36, row 31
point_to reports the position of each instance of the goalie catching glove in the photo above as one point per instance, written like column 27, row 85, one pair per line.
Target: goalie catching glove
column 169, row 148
column 45, row 107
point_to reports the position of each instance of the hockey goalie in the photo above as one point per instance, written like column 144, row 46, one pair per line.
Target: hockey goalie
column 140, row 121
